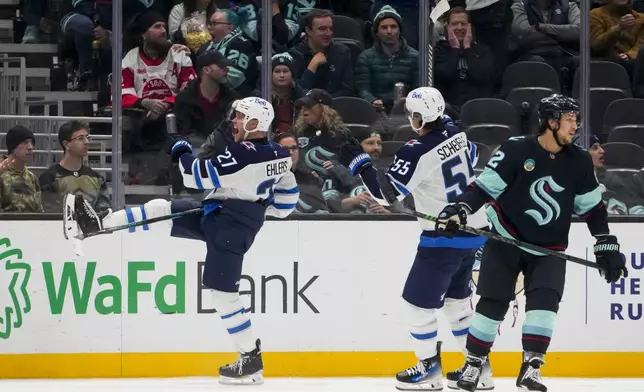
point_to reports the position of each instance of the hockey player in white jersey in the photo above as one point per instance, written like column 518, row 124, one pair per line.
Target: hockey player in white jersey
column 250, row 180
column 435, row 167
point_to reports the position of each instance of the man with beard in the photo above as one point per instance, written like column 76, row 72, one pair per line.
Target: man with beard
column 205, row 101
column 229, row 40
column 19, row 188
column 388, row 62
column 464, row 68
column 616, row 32
column 152, row 73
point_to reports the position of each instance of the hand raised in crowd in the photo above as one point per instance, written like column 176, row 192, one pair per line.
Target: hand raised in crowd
column 156, row 108
column 7, row 164
column 626, row 21
column 101, row 34
column 451, row 38
column 317, row 60
column 467, row 42
column 378, row 104
column 180, row 48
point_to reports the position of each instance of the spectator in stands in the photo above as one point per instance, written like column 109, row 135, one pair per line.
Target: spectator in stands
column 310, row 184
column 322, row 64
column 80, row 28
column 153, row 74
column 388, row 62
column 70, row 175
column 35, row 10
column 285, row 92
column 229, row 39
column 205, row 102
column 463, row 67
column 492, row 24
column 617, row 32
column 548, row 30
column 286, row 21
column 19, row 188
column 199, row 10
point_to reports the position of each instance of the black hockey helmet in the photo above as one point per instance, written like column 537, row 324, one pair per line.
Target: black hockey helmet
column 552, row 107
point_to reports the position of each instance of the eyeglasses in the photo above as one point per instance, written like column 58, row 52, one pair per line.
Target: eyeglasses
column 82, row 138
column 291, row 148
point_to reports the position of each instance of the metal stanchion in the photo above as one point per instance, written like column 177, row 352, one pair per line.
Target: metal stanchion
column 584, row 69
column 118, row 193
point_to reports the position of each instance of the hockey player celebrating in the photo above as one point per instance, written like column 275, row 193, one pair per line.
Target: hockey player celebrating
column 534, row 185
column 252, row 179
column 435, row 168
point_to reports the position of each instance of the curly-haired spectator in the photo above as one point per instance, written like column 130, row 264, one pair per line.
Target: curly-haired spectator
column 310, row 184
column 229, row 40
column 205, row 102
column 285, row 92
column 70, row 175
column 388, row 62
column 617, row 32
column 320, row 62
column 19, row 188
column 464, row 68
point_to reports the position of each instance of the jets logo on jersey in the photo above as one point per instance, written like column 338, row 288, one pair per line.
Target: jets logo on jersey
column 249, row 145
column 412, row 143
column 540, row 192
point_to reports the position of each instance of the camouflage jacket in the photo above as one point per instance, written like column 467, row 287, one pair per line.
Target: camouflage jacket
column 19, row 191
column 58, row 181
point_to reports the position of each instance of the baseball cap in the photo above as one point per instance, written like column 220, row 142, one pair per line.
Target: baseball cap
column 315, row 96
column 213, row 57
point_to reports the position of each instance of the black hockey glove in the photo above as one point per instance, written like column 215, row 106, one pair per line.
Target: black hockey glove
column 450, row 218
column 177, row 147
column 353, row 157
column 610, row 261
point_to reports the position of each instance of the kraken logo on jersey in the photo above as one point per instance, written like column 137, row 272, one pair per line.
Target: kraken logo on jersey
column 539, row 192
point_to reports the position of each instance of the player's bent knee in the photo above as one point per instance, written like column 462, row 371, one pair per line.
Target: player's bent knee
column 492, row 308
column 457, row 310
column 542, row 299
column 224, row 302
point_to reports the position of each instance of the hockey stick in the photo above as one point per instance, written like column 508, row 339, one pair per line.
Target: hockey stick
column 497, row 237
column 141, row 223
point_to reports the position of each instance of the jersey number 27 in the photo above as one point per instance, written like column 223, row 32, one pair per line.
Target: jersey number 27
column 457, row 175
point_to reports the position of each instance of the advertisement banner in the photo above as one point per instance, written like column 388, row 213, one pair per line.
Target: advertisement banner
column 314, row 289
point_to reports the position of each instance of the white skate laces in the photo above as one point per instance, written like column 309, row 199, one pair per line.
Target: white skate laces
column 418, row 369
column 533, row 373
column 238, row 365
column 472, row 373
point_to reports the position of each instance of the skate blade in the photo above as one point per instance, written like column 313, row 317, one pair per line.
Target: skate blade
column 251, row 379
column 483, row 385
column 427, row 385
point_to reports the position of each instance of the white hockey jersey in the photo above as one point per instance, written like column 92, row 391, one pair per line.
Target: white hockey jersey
column 254, row 170
column 154, row 78
column 434, row 168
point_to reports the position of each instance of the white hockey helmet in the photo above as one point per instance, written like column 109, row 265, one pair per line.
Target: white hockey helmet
column 425, row 104
column 255, row 108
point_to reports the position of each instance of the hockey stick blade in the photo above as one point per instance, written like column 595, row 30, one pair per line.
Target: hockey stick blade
column 509, row 241
column 142, row 223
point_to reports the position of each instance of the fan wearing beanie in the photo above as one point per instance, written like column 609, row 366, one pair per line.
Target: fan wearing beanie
column 285, row 92
column 19, row 189
column 155, row 71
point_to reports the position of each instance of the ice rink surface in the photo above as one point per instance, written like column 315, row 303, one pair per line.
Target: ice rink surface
column 295, row 384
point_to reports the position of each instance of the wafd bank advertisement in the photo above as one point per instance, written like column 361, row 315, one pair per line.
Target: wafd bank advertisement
column 325, row 299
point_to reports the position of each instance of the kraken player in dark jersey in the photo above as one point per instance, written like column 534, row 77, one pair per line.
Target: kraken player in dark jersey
column 533, row 186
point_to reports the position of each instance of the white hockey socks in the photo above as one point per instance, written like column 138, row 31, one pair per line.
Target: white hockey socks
column 152, row 209
column 423, row 328
column 235, row 319
column 459, row 313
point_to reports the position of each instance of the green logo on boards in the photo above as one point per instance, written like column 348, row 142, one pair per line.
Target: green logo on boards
column 14, row 276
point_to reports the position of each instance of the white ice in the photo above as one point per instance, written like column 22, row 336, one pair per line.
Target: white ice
column 294, row 384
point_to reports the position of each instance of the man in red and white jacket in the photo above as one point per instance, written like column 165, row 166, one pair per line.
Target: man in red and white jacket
column 154, row 73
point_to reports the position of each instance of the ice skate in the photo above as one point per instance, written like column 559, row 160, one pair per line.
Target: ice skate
column 486, row 383
column 79, row 217
column 471, row 373
column 248, row 369
column 427, row 375
column 529, row 379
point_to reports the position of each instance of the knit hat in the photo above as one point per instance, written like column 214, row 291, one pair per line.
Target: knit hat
column 283, row 59
column 361, row 134
column 17, row 135
column 146, row 20
column 384, row 13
